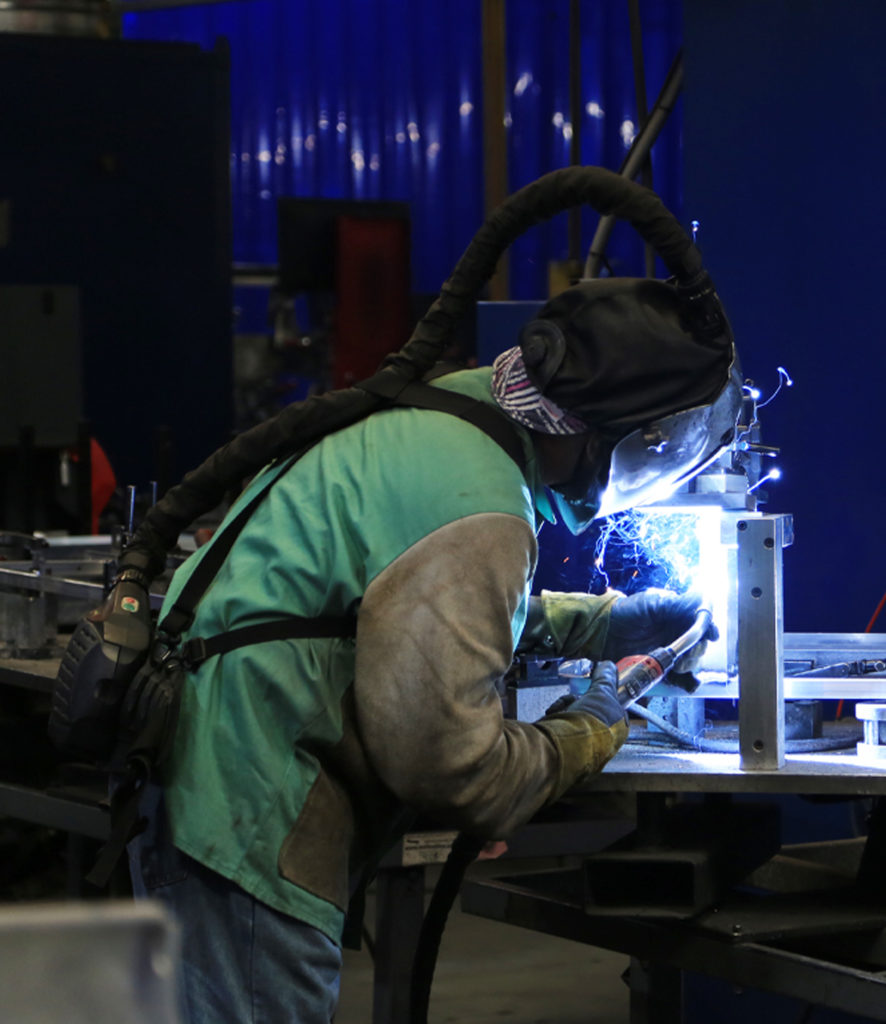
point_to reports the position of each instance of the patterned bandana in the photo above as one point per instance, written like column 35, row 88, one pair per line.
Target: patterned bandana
column 523, row 402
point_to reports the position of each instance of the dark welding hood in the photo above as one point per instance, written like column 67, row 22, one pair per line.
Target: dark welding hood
column 650, row 366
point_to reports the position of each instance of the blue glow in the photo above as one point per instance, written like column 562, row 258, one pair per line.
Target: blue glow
column 677, row 548
column 773, row 474
column 639, row 549
column 784, row 380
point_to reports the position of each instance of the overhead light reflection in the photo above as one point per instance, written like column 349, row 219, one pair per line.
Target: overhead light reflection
column 523, row 83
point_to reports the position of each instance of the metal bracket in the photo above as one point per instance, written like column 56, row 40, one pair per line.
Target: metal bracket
column 761, row 539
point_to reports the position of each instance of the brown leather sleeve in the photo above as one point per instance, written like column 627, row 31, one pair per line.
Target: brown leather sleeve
column 434, row 637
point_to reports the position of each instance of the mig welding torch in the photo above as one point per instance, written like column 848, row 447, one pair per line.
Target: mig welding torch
column 637, row 674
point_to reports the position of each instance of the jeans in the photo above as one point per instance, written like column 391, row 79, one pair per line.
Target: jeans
column 242, row 961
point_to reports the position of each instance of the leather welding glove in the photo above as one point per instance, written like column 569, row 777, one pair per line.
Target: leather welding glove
column 567, row 625
column 590, row 731
column 655, row 618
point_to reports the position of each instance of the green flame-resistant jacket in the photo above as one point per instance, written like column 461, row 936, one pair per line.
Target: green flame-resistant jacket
column 293, row 759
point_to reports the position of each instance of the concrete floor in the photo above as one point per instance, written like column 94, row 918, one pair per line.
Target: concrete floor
column 490, row 972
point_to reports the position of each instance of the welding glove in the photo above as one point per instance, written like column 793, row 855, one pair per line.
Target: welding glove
column 566, row 625
column 655, row 618
column 590, row 731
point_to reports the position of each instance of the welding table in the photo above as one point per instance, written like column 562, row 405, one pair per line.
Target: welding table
column 820, row 944
column 783, row 942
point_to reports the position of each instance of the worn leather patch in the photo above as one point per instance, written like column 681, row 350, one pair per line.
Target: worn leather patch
column 314, row 854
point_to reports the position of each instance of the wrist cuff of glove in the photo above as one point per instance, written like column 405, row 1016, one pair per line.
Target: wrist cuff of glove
column 584, row 744
column 578, row 623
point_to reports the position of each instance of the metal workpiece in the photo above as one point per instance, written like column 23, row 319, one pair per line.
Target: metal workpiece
column 29, row 673
column 50, row 590
column 761, row 640
column 56, row 810
column 872, row 748
column 44, row 581
column 41, row 582
column 817, row 666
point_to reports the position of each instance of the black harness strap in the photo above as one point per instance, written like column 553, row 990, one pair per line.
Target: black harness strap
column 125, row 815
column 415, row 394
column 196, row 650
column 396, row 391
column 181, row 615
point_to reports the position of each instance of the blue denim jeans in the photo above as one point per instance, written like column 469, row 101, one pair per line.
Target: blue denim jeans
column 242, row 961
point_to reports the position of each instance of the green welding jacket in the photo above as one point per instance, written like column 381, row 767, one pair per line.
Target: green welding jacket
column 294, row 759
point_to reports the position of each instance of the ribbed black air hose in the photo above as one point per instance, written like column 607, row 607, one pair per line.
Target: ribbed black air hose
column 464, row 851
column 304, row 422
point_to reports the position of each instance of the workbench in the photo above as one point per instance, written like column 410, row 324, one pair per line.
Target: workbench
column 808, row 921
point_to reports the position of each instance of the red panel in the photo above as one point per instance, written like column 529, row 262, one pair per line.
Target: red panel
column 372, row 295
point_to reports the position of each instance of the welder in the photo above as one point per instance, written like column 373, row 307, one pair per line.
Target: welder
column 297, row 762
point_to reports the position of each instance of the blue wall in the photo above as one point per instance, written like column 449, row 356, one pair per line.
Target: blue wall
column 783, row 152
column 383, row 99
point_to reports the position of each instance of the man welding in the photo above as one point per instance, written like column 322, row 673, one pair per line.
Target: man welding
column 297, row 762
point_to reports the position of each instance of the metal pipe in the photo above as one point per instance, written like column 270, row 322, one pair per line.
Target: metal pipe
column 574, row 228
column 637, row 154
column 495, row 143
column 642, row 111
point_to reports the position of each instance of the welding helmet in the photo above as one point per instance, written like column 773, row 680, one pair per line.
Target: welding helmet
column 650, row 367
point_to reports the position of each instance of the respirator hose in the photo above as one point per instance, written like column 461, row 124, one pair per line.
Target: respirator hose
column 606, row 192
column 302, row 423
column 464, row 851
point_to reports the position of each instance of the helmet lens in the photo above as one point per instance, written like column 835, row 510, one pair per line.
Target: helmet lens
column 649, row 464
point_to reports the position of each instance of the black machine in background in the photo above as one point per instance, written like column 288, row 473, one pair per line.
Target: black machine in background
column 115, row 262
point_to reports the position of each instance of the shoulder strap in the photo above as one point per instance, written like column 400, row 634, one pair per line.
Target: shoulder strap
column 197, row 649
column 181, row 615
column 419, row 395
column 401, row 392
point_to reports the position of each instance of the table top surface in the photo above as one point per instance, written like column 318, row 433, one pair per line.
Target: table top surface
column 640, row 768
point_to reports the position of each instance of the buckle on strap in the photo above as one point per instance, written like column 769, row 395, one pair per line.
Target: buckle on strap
column 193, row 653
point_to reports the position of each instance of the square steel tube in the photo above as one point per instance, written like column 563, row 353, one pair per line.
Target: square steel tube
column 761, row 539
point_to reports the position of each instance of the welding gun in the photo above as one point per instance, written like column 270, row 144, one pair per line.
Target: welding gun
column 638, row 673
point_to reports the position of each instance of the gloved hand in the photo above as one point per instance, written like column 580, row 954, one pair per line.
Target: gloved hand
column 599, row 700
column 654, row 618
column 585, row 742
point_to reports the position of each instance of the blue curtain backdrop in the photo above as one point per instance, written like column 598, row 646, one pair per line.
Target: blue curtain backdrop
column 382, row 99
